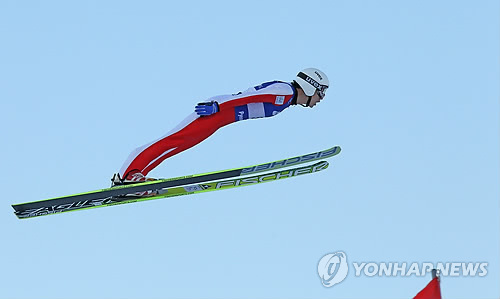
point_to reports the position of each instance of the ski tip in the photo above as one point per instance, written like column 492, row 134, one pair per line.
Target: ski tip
column 321, row 165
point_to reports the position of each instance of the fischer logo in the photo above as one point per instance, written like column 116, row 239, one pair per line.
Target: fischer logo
column 273, row 176
column 65, row 207
column 287, row 162
column 240, row 115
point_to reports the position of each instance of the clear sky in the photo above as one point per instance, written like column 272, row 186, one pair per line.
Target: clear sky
column 414, row 103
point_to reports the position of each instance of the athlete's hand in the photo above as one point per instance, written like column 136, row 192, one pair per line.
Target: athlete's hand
column 207, row 108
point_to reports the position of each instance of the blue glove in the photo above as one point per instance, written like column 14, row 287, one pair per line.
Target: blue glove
column 207, row 108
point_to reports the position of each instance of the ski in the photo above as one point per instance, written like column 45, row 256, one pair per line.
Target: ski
column 177, row 181
column 175, row 191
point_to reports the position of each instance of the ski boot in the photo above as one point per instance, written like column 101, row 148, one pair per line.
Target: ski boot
column 133, row 178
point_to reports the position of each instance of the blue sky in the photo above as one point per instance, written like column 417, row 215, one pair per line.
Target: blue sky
column 414, row 103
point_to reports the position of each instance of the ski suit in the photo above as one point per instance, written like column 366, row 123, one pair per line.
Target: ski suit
column 265, row 100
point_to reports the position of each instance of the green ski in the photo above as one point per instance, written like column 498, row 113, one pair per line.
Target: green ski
column 176, row 191
column 174, row 182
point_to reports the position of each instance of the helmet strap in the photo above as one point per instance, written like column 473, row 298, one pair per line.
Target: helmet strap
column 296, row 86
column 308, row 102
column 294, row 102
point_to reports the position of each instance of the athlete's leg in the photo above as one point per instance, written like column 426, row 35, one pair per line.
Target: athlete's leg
column 187, row 134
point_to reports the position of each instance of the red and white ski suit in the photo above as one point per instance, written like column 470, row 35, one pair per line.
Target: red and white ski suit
column 265, row 100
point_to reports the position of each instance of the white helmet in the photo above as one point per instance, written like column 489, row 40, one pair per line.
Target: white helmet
column 312, row 79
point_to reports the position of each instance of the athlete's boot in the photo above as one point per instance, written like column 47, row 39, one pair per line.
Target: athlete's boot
column 133, row 178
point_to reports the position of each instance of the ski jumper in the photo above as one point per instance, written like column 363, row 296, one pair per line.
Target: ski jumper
column 265, row 100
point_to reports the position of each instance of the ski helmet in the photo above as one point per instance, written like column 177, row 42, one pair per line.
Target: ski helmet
column 312, row 79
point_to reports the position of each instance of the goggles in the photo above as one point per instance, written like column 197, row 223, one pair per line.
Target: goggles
column 321, row 91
